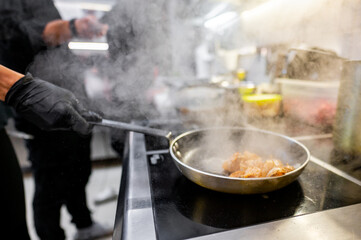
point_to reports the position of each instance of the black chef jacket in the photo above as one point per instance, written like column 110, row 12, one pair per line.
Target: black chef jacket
column 21, row 33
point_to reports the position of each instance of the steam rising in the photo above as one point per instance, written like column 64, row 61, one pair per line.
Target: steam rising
column 208, row 151
column 139, row 47
column 151, row 40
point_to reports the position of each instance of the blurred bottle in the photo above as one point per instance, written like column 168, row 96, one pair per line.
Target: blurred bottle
column 347, row 125
column 241, row 74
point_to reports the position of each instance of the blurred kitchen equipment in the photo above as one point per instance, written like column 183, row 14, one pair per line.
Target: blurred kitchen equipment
column 199, row 155
column 241, row 74
column 212, row 103
column 312, row 102
column 262, row 105
column 243, row 87
column 235, row 89
column 312, row 64
column 347, row 127
column 247, row 88
column 276, row 60
column 200, row 104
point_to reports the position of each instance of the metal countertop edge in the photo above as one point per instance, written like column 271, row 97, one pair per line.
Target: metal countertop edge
column 333, row 224
column 335, row 170
column 138, row 220
column 323, row 163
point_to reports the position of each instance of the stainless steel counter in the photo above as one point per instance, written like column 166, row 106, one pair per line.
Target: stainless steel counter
column 335, row 224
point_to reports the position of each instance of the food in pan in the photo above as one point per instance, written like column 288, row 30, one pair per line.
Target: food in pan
column 250, row 165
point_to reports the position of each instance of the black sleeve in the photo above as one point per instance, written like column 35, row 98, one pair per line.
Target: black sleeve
column 24, row 21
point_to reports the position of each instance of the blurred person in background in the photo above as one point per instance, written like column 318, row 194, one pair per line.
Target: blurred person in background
column 137, row 38
column 32, row 38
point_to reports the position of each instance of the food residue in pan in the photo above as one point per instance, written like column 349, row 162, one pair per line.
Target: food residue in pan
column 250, row 165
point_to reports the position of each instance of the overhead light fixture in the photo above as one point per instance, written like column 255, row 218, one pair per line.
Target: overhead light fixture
column 92, row 46
column 221, row 20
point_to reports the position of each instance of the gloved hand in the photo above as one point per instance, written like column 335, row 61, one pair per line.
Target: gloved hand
column 48, row 106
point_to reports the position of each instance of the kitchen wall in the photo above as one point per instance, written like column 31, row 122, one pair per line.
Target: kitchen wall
column 329, row 24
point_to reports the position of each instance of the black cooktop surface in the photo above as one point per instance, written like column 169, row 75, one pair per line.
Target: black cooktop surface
column 183, row 209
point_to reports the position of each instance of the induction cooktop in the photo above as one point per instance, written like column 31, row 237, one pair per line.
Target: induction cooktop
column 158, row 202
column 199, row 211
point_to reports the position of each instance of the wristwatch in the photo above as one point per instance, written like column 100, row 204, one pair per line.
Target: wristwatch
column 72, row 27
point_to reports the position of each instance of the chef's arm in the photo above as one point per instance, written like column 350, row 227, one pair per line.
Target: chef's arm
column 44, row 104
column 57, row 32
column 46, row 28
column 60, row 31
column 7, row 79
column 16, row 28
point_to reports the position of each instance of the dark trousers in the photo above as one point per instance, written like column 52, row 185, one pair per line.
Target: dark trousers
column 13, row 210
column 61, row 167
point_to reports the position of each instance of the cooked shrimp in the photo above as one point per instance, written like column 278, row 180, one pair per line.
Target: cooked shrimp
column 232, row 165
column 252, row 172
column 237, row 174
column 289, row 168
column 250, row 165
column 276, row 171
column 267, row 166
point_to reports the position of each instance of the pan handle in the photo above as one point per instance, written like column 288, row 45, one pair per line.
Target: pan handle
column 134, row 128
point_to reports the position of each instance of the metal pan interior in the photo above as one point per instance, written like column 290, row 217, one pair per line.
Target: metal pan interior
column 200, row 154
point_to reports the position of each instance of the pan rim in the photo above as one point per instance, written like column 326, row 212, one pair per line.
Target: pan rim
column 246, row 129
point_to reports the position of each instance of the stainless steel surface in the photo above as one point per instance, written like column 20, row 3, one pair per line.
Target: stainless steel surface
column 312, row 64
column 341, row 223
column 313, row 137
column 199, row 156
column 138, row 220
column 141, row 225
column 347, row 128
column 134, row 128
column 335, row 170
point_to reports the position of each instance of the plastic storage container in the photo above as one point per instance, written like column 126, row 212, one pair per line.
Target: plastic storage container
column 309, row 101
column 262, row 105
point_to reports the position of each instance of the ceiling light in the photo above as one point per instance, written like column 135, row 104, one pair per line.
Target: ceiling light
column 94, row 46
column 96, row 6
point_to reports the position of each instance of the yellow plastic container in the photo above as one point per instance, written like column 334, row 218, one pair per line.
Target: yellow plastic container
column 246, row 88
column 241, row 74
column 262, row 105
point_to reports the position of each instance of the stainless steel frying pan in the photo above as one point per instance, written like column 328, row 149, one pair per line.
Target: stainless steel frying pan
column 199, row 155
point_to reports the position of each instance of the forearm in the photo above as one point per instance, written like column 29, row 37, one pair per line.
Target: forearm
column 26, row 27
column 56, row 32
column 59, row 31
column 7, row 78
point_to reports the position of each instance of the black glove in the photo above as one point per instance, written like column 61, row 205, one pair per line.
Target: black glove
column 48, row 106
